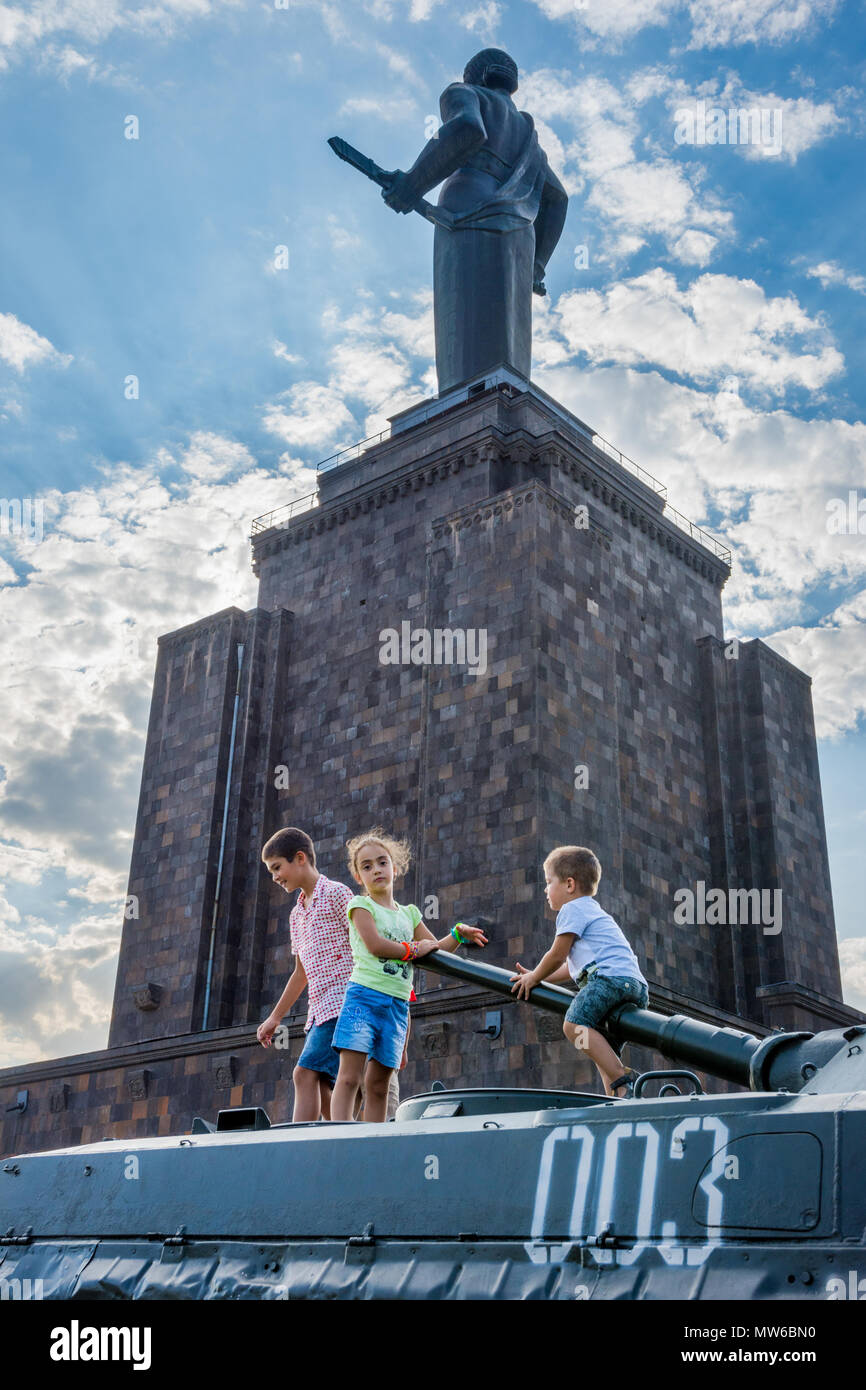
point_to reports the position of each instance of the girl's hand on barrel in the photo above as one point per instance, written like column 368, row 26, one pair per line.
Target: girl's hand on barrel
column 473, row 936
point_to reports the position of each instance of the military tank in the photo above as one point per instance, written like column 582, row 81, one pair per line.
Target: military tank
column 482, row 1193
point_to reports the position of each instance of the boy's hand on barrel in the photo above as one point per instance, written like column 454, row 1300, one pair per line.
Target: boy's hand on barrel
column 524, row 981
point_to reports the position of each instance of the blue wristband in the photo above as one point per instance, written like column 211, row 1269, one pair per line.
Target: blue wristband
column 461, row 940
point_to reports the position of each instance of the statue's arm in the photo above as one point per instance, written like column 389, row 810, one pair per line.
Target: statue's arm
column 553, row 189
column 462, row 133
column 548, row 226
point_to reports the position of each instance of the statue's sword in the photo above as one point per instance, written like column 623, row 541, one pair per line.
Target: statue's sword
column 359, row 161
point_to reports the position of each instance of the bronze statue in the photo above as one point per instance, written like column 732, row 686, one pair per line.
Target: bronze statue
column 500, row 214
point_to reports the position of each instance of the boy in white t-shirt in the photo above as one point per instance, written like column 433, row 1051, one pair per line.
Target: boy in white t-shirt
column 589, row 948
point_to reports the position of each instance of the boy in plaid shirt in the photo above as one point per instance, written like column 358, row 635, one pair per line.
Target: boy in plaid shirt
column 319, row 931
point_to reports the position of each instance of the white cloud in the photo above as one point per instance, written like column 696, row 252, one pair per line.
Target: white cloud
column 23, row 865
column 80, row 642
column 21, row 346
column 755, row 124
column 655, row 197
column 836, row 651
column 421, row 9
column 731, row 22
column 398, row 109
column 399, row 63
column 280, row 350
column 68, row 60
column 804, row 123
column 630, row 197
column 369, row 364
column 831, row 273
column 210, row 457
column 120, row 563
column 313, row 414
column 332, row 18
column 756, row 21
column 378, row 376
column 341, row 238
column 640, row 175
column 380, row 9
column 92, row 21
column 852, row 958
column 717, row 325
column 55, row 987
column 694, row 247
column 614, row 19
column 414, row 334
column 483, row 20
column 144, row 551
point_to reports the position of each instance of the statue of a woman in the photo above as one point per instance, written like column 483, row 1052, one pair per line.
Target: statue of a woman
column 508, row 210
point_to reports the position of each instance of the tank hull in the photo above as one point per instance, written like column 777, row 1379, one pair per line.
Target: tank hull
column 702, row 1197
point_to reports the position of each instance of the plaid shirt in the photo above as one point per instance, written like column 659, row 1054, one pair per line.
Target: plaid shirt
column 319, row 932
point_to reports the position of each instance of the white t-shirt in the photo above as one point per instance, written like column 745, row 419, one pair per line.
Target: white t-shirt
column 599, row 939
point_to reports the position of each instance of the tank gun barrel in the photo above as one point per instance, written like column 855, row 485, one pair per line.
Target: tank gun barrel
column 476, row 972
column 825, row 1063
column 724, row 1052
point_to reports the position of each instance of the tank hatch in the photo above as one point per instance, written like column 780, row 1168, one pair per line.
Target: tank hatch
column 491, row 1100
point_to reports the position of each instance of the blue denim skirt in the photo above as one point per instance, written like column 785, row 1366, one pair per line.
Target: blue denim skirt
column 374, row 1023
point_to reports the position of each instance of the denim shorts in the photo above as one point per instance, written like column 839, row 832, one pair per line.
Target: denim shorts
column 593, row 1003
column 318, row 1054
column 374, row 1023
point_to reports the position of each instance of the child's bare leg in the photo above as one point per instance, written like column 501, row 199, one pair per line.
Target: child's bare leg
column 347, row 1083
column 325, row 1099
column 598, row 1049
column 376, row 1083
column 307, row 1098
column 360, row 1099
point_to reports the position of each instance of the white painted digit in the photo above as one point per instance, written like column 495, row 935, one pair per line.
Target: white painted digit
column 646, row 1200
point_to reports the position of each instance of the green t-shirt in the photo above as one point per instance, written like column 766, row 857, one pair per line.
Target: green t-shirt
column 387, row 976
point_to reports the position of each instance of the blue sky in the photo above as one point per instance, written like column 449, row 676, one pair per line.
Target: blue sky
column 712, row 335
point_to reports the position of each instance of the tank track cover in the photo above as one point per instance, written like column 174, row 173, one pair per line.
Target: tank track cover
column 481, row 1194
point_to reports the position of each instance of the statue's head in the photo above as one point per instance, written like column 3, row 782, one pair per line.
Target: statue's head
column 492, row 67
